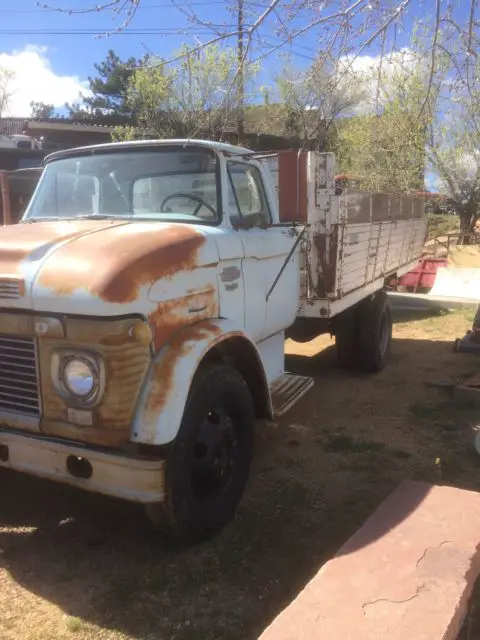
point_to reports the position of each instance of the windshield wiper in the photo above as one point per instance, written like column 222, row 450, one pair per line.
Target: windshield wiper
column 81, row 216
column 94, row 216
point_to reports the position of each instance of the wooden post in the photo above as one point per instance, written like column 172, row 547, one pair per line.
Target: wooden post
column 5, row 191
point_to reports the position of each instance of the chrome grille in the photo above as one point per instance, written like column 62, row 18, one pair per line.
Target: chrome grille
column 9, row 288
column 18, row 376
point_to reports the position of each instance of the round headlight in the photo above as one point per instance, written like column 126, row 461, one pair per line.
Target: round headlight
column 79, row 377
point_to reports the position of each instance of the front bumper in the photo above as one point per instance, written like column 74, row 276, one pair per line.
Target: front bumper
column 113, row 474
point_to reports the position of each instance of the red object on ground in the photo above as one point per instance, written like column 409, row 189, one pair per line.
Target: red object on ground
column 423, row 276
column 406, row 574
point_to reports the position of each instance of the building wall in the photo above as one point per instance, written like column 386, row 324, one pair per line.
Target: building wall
column 21, row 158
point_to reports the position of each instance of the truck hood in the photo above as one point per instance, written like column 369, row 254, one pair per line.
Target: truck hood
column 60, row 266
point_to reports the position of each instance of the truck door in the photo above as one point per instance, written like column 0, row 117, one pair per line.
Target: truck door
column 266, row 250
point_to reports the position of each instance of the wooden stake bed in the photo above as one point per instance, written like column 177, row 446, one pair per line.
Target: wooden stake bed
column 356, row 240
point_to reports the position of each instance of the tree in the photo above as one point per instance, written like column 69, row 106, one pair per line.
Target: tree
column 109, row 89
column 428, row 114
column 42, row 111
column 341, row 27
column 385, row 147
column 454, row 147
column 351, row 30
column 314, row 100
column 197, row 96
column 6, row 92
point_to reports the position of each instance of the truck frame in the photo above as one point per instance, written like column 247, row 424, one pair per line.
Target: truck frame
column 145, row 299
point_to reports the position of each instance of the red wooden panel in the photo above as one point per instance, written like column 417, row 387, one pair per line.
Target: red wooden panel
column 292, row 186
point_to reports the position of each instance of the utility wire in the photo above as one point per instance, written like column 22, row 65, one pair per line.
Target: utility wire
column 167, row 5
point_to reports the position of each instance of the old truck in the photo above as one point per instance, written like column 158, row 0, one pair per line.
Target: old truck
column 145, row 298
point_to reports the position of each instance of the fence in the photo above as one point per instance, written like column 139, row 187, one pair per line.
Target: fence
column 449, row 240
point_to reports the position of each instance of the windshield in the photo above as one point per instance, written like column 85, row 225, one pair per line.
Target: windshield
column 162, row 184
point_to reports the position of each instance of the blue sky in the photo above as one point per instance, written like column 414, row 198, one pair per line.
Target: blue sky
column 68, row 50
column 53, row 53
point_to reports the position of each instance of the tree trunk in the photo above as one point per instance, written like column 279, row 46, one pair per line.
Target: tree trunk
column 468, row 219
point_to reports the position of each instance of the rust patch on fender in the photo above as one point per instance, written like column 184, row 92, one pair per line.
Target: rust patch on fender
column 116, row 263
column 180, row 346
column 173, row 315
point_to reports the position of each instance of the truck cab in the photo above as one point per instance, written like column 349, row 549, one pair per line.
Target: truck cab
column 144, row 298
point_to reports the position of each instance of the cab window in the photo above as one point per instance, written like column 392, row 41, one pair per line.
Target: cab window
column 247, row 198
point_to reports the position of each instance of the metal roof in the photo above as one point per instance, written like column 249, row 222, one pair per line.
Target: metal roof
column 135, row 144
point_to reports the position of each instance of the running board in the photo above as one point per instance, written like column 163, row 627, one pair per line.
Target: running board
column 287, row 390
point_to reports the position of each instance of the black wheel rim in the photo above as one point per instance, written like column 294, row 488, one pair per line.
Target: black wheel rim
column 214, row 456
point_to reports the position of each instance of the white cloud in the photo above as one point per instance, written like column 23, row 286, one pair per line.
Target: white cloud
column 35, row 80
column 364, row 71
column 462, row 169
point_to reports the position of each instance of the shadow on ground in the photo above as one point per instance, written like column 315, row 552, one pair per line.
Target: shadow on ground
column 319, row 473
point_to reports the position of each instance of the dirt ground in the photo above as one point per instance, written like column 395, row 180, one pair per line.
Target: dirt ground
column 76, row 566
column 465, row 256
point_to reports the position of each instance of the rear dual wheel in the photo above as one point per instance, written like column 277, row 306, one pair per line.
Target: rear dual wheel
column 363, row 334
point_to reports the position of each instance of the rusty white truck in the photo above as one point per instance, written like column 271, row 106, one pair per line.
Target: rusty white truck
column 145, row 298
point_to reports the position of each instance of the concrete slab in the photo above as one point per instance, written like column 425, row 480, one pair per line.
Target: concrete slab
column 457, row 282
column 425, row 301
column 406, row 574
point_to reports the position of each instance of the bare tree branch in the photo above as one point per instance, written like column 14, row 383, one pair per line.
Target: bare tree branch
column 433, row 62
column 6, row 93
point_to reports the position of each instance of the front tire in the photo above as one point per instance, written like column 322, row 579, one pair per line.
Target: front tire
column 208, row 464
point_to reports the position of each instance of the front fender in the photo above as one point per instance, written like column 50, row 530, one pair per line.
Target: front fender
column 165, row 390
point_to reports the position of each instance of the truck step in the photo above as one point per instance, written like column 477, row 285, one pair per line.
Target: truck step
column 287, row 390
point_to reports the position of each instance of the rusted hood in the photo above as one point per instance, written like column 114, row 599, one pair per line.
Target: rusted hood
column 23, row 245
column 96, row 267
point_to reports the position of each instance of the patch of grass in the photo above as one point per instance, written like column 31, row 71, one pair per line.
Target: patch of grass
column 441, row 224
column 74, row 625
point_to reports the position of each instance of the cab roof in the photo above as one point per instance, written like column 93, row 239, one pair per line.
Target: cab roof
column 138, row 144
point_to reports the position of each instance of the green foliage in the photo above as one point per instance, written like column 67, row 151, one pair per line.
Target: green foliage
column 109, row 89
column 197, row 96
column 149, row 94
column 314, row 99
column 441, row 224
column 454, row 147
column 42, row 111
column 124, row 133
column 386, row 150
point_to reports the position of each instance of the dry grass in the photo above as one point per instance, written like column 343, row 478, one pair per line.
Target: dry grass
column 76, row 566
column 467, row 256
